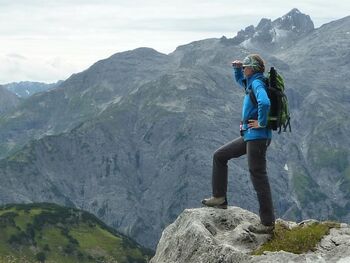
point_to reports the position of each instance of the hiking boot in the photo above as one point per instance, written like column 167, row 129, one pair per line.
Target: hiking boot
column 261, row 229
column 217, row 202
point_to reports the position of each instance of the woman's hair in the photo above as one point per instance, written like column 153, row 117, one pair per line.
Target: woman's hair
column 260, row 65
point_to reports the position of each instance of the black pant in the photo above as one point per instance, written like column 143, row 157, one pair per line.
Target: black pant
column 256, row 152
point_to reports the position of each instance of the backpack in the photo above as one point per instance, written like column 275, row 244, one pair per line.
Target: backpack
column 279, row 116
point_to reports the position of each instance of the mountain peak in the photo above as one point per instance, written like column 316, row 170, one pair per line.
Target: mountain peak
column 280, row 32
column 295, row 21
column 294, row 11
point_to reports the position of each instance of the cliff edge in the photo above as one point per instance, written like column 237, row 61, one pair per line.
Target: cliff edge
column 209, row 235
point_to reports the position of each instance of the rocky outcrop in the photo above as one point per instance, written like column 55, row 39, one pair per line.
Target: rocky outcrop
column 209, row 235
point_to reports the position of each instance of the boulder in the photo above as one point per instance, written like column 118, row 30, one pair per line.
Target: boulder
column 209, row 235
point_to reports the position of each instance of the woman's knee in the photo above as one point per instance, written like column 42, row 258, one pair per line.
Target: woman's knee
column 219, row 156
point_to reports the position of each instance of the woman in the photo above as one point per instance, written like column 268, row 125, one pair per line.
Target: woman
column 254, row 140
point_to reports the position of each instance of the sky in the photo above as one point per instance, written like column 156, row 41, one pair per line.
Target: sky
column 49, row 40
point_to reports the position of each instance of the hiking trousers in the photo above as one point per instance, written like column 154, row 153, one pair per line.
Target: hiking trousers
column 256, row 153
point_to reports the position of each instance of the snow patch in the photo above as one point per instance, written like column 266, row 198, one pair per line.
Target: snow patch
column 210, row 114
column 182, row 87
column 134, row 91
column 286, row 167
column 117, row 99
column 104, row 106
column 246, row 44
column 173, row 106
column 279, row 34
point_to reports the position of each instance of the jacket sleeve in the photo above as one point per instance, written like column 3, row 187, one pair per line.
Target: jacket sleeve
column 263, row 102
column 238, row 76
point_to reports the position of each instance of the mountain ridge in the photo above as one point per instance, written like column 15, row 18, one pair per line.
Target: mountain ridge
column 25, row 89
column 277, row 34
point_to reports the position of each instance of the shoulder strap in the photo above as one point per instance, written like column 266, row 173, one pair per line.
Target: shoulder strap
column 252, row 97
column 251, row 92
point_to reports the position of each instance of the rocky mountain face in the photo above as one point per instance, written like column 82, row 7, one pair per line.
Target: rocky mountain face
column 79, row 98
column 214, row 235
column 8, row 100
column 280, row 33
column 131, row 139
column 26, row 89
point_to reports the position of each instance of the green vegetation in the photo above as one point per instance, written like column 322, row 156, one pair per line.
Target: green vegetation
column 298, row 240
column 307, row 189
column 51, row 233
column 345, row 186
column 336, row 158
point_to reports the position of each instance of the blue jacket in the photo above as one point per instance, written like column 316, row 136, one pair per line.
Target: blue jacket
column 249, row 110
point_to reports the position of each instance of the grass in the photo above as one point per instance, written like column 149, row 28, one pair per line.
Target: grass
column 96, row 237
column 61, row 235
column 298, row 240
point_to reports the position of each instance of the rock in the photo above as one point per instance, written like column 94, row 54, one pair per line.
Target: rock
column 286, row 224
column 208, row 235
column 8, row 100
column 25, row 89
column 295, row 21
column 278, row 33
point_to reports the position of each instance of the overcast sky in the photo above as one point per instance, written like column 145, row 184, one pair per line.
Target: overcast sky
column 48, row 40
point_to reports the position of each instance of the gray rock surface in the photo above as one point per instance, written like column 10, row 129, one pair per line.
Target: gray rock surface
column 8, row 100
column 280, row 33
column 80, row 98
column 25, row 89
column 207, row 235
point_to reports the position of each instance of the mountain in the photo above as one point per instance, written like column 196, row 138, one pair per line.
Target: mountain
column 79, row 98
column 280, row 33
column 206, row 235
column 131, row 139
column 25, row 89
column 48, row 232
column 8, row 100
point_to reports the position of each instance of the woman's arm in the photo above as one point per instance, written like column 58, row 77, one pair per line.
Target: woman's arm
column 238, row 72
column 238, row 76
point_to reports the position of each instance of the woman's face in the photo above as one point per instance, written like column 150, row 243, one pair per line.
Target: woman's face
column 248, row 71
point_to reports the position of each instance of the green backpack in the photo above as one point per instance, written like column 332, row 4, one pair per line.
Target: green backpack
column 279, row 116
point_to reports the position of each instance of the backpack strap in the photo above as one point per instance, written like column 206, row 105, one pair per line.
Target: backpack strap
column 287, row 125
column 251, row 92
column 253, row 98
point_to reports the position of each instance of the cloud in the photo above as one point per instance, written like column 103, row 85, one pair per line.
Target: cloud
column 16, row 56
column 204, row 24
column 15, row 68
column 47, row 40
